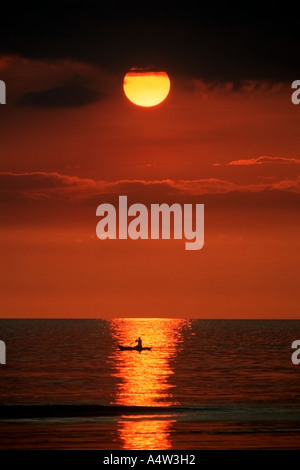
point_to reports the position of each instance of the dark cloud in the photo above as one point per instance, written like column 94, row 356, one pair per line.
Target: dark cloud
column 38, row 180
column 262, row 160
column 41, row 198
column 48, row 181
column 74, row 93
column 43, row 186
column 265, row 160
column 210, row 42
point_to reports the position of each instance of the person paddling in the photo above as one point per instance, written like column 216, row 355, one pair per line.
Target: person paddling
column 139, row 343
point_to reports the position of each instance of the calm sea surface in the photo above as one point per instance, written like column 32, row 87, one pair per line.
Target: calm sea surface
column 205, row 384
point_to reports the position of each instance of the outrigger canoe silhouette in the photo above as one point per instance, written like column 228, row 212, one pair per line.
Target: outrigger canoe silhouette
column 134, row 348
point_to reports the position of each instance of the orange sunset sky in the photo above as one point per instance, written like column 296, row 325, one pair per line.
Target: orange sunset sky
column 226, row 136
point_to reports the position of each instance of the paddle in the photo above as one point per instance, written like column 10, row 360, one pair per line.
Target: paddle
column 133, row 342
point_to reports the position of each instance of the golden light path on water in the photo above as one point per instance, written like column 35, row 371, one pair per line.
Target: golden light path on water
column 144, row 378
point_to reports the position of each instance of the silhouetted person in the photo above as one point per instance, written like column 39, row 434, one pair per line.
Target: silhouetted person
column 139, row 343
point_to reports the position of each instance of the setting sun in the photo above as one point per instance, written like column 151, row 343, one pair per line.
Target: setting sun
column 145, row 88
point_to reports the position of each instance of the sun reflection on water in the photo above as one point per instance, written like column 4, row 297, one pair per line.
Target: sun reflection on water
column 145, row 433
column 144, row 378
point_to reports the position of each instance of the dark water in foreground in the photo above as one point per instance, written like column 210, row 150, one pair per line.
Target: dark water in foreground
column 205, row 384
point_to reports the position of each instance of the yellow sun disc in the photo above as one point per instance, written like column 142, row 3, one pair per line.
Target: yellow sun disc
column 146, row 88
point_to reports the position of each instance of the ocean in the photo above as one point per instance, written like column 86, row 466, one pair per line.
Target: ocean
column 205, row 384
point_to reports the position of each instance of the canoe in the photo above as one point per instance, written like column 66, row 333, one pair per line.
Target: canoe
column 133, row 348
